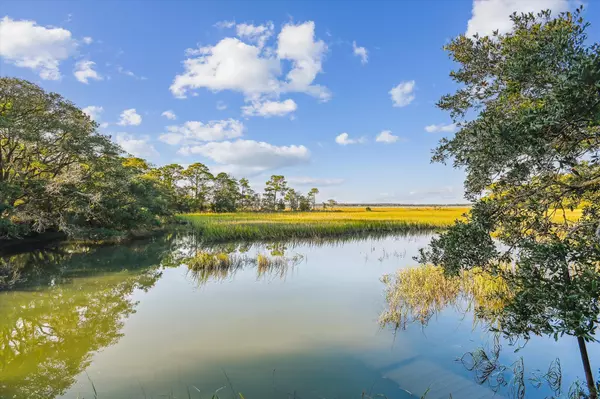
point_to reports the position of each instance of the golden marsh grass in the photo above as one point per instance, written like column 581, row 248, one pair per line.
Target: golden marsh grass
column 334, row 223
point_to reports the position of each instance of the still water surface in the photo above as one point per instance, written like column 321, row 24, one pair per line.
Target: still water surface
column 133, row 322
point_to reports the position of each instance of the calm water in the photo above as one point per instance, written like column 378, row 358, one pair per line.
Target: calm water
column 137, row 324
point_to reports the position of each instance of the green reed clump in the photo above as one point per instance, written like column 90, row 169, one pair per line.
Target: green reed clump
column 217, row 266
column 207, row 260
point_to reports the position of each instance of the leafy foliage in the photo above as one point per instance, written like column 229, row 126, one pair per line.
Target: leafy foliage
column 529, row 141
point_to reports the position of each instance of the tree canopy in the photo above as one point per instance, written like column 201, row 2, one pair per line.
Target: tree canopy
column 528, row 109
column 57, row 172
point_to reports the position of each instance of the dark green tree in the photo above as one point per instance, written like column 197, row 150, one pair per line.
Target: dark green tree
column 292, row 198
column 529, row 116
column 276, row 185
column 46, row 145
column 198, row 179
column 312, row 195
column 246, row 195
column 225, row 193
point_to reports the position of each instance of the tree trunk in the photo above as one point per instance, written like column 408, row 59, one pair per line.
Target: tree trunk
column 589, row 376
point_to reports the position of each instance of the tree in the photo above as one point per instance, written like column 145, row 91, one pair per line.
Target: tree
column 532, row 152
column 312, row 194
column 225, row 193
column 292, row 198
column 57, row 172
column 170, row 178
column 246, row 194
column 276, row 185
column 42, row 136
column 303, row 203
column 198, row 178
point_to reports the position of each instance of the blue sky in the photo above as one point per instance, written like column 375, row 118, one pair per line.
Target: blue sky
column 260, row 88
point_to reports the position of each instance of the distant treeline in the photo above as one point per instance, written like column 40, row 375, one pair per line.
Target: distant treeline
column 58, row 173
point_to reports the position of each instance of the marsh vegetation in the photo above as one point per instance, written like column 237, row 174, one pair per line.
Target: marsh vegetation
column 340, row 221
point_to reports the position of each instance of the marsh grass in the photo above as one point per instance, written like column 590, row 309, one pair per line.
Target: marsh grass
column 417, row 294
column 245, row 226
column 218, row 266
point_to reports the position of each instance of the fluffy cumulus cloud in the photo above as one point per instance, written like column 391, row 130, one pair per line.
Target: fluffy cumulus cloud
column 344, row 139
column 93, row 111
column 26, row 44
column 490, row 15
column 403, row 94
column 249, row 156
column 258, row 34
column 194, row 131
column 137, row 146
column 169, row 115
column 312, row 181
column 270, row 108
column 87, row 40
column 246, row 65
column 360, row 52
column 130, row 117
column 229, row 65
column 297, row 44
column 84, row 71
column 449, row 128
column 387, row 137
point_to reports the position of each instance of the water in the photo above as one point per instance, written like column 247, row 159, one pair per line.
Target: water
column 132, row 322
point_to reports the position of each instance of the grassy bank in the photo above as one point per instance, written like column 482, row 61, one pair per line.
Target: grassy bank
column 247, row 226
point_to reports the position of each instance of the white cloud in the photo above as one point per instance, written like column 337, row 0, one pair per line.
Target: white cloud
column 194, row 131
column 258, row 34
column 221, row 105
column 361, row 52
column 387, row 137
column 130, row 117
column 490, row 15
column 402, row 95
column 87, row 40
column 28, row 45
column 93, row 111
column 104, row 125
column 344, row 139
column 84, row 71
column 124, row 71
column 225, row 24
column 311, row 181
column 250, row 156
column 229, row 65
column 297, row 44
column 169, row 115
column 449, row 128
column 139, row 147
column 234, row 65
column 270, row 108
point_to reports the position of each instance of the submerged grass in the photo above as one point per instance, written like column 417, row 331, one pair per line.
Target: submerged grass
column 246, row 226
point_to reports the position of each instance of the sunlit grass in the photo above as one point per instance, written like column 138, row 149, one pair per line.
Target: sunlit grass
column 417, row 294
column 338, row 222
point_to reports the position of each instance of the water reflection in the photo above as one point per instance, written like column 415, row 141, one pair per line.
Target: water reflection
column 47, row 337
column 134, row 319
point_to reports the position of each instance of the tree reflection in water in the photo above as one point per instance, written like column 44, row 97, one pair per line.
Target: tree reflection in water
column 49, row 333
column 63, row 304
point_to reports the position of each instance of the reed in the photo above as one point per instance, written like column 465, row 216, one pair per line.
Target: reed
column 245, row 226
